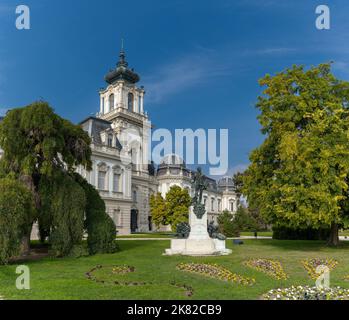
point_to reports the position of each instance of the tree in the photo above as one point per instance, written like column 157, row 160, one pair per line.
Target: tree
column 42, row 151
column 298, row 176
column 171, row 210
column 38, row 143
column 178, row 202
column 16, row 210
column 98, row 224
column 227, row 224
column 158, row 210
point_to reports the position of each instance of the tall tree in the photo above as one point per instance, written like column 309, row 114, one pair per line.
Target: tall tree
column 43, row 150
column 298, row 176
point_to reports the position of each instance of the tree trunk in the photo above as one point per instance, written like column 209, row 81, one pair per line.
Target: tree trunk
column 25, row 245
column 334, row 238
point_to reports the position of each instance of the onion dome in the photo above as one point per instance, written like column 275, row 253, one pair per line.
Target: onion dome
column 122, row 72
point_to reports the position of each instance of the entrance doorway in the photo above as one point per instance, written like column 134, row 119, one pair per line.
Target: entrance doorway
column 134, row 220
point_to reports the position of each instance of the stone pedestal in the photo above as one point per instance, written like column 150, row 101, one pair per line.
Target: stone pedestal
column 199, row 242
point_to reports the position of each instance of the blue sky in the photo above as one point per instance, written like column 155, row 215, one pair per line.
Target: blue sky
column 198, row 60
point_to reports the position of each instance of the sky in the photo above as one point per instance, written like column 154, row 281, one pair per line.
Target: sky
column 199, row 61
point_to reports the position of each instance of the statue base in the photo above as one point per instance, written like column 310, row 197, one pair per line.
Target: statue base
column 199, row 242
column 195, row 247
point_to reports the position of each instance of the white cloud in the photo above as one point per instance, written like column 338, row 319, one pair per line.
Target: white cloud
column 185, row 73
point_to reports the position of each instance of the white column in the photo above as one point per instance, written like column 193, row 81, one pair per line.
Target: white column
column 101, row 105
column 142, row 106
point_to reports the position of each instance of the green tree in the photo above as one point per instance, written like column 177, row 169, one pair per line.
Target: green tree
column 42, row 151
column 228, row 225
column 178, row 202
column 16, row 212
column 38, row 143
column 171, row 210
column 298, row 176
column 158, row 210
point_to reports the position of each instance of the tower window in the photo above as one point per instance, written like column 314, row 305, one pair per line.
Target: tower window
column 111, row 102
column 130, row 102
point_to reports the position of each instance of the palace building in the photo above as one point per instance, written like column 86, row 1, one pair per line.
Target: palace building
column 121, row 172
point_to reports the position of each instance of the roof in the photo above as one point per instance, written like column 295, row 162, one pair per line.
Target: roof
column 122, row 72
column 94, row 126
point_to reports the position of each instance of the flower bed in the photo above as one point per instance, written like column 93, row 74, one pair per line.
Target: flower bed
column 311, row 264
column 272, row 268
column 307, row 293
column 122, row 270
column 215, row 271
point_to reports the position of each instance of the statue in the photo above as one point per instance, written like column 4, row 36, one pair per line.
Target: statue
column 182, row 230
column 213, row 231
column 199, row 185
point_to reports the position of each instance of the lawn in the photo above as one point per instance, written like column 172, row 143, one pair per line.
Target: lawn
column 148, row 235
column 66, row 278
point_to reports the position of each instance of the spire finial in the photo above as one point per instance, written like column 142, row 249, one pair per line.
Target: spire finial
column 122, row 61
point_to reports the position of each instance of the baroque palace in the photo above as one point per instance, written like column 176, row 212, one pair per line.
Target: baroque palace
column 121, row 170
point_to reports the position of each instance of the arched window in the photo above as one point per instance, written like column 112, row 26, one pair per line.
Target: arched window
column 130, row 102
column 111, row 102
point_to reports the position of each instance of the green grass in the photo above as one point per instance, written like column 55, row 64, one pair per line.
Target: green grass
column 66, row 279
column 148, row 235
column 260, row 233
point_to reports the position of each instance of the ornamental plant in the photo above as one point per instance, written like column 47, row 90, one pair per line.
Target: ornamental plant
column 311, row 264
column 307, row 293
column 270, row 267
column 215, row 271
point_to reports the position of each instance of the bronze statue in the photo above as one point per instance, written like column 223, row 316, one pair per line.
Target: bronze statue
column 199, row 184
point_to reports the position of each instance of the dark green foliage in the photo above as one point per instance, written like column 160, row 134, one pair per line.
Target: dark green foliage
column 286, row 233
column 16, row 211
column 62, row 214
column 37, row 141
column 227, row 225
column 245, row 221
column 98, row 224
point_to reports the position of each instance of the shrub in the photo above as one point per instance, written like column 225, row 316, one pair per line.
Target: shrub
column 65, row 203
column 16, row 210
column 99, row 225
column 228, row 225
